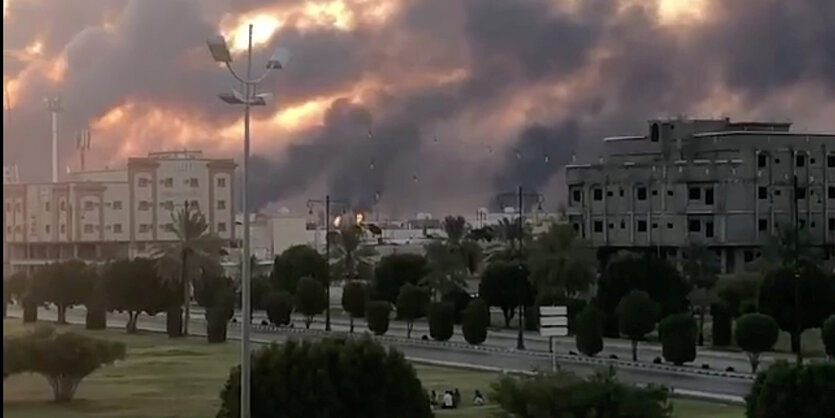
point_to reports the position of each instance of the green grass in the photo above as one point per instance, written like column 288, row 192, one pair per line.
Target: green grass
column 182, row 378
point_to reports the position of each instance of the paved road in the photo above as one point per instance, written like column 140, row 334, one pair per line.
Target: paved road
column 504, row 360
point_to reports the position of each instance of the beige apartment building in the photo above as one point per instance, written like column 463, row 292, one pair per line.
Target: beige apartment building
column 725, row 184
column 109, row 214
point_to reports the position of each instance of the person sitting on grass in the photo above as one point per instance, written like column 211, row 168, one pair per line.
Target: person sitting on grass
column 448, row 401
column 456, row 396
column 478, row 399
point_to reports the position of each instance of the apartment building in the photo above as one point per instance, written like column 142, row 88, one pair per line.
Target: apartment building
column 108, row 214
column 726, row 184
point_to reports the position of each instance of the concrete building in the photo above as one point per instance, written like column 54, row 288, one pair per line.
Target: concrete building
column 109, row 214
column 726, row 184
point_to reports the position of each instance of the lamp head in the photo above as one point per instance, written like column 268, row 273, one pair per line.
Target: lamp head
column 218, row 48
column 279, row 59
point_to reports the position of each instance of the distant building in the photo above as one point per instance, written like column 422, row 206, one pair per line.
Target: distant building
column 109, row 214
column 10, row 174
column 726, row 184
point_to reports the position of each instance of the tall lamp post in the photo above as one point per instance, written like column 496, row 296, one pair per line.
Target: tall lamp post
column 520, row 196
column 220, row 53
column 327, row 204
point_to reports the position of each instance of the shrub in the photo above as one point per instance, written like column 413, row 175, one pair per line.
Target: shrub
column 459, row 298
column 174, row 321
column 96, row 307
column 721, row 327
column 756, row 333
column 441, row 321
column 589, row 336
column 377, row 316
column 474, row 325
column 637, row 314
column 217, row 295
column 279, row 307
column 313, row 379
column 564, row 394
column 30, row 308
column 395, row 270
column 411, row 305
column 828, row 336
column 678, row 335
column 311, row 299
column 354, row 297
column 786, row 390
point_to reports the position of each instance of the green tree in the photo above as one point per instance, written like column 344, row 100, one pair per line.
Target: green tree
column 475, row 319
column 329, row 378
column 393, row 271
column 217, row 295
column 816, row 294
column 786, row 390
column 310, row 299
column 134, row 286
column 295, row 263
column 261, row 287
column 504, row 284
column 65, row 359
column 347, row 252
column 354, row 297
column 96, row 304
column 559, row 260
column 637, row 314
column 447, row 270
column 755, row 334
column 411, row 305
column 678, row 335
column 589, row 337
column 279, row 306
column 459, row 298
column 828, row 336
column 377, row 316
column 63, row 284
column 441, row 321
column 721, row 326
column 195, row 252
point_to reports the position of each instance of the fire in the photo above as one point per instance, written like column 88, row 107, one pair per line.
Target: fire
column 301, row 115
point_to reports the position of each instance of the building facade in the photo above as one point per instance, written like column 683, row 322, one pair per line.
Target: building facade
column 110, row 214
column 729, row 185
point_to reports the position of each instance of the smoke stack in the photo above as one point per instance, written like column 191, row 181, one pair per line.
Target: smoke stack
column 54, row 105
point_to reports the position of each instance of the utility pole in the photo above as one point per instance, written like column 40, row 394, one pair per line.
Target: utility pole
column 54, row 105
column 798, row 327
column 327, row 203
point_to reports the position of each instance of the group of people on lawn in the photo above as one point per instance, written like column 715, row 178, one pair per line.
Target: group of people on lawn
column 451, row 399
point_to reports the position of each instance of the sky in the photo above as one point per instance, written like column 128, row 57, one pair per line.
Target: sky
column 404, row 105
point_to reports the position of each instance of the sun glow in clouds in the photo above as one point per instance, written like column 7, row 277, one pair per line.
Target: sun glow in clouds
column 264, row 26
column 681, row 11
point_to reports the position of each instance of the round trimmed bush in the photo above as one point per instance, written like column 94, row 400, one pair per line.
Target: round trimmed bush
column 756, row 333
column 328, row 378
column 377, row 316
column 279, row 306
column 828, row 336
column 678, row 334
column 589, row 331
column 441, row 321
column 475, row 318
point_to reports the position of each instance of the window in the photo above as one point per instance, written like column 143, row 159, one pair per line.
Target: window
column 17, row 206
column 762, row 225
column 831, row 192
column 143, row 182
column 144, row 205
column 576, row 227
column 167, row 205
column 708, row 196
column 117, row 228
column 221, row 227
column 830, row 161
column 669, row 192
column 801, row 193
column 831, row 224
column 194, row 204
column 221, row 204
column 168, row 182
column 655, row 192
column 642, row 226
column 802, row 223
column 777, row 192
column 654, row 132
column 610, row 193
column 221, row 182
column 597, row 194
column 748, row 256
column 193, row 182
column 642, row 193
column 812, row 161
column 63, row 229
column 88, row 228
column 669, row 225
column 655, row 225
column 576, row 195
column 622, row 225
column 598, row 226
column 762, row 193
column 46, row 229
column 63, row 206
column 117, row 205
column 800, row 161
column 620, row 192
column 611, row 226
column 776, row 161
column 709, row 229
column 46, row 206
column 694, row 226
column 694, row 193
column 762, row 160
column 88, row 205
column 144, row 228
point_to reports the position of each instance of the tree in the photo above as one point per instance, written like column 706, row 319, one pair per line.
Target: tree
column 650, row 274
column 678, row 334
column 828, row 336
column 377, row 316
column 756, row 333
column 564, row 394
column 310, row 299
column 63, row 284
column 637, row 314
column 786, row 390
column 194, row 253
column 502, row 284
column 441, row 321
column 354, row 297
column 721, row 326
column 65, row 359
column 739, row 294
column 559, row 260
column 96, row 305
column 447, row 270
column 459, row 298
column 329, row 378
column 475, row 319
column 411, row 305
column 589, row 337
column 395, row 270
column 817, row 299
column 217, row 295
column 134, row 286
column 295, row 263
column 261, row 287
column 347, row 252
column 279, row 306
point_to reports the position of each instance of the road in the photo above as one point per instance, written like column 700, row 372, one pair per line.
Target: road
column 732, row 388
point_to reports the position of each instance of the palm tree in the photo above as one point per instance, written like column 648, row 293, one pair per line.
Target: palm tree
column 194, row 253
column 560, row 261
column 347, row 252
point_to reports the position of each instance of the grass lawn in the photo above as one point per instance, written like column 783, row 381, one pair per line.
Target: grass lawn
column 182, row 378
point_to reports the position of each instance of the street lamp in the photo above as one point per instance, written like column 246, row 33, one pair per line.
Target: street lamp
column 520, row 196
column 220, row 53
column 327, row 204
